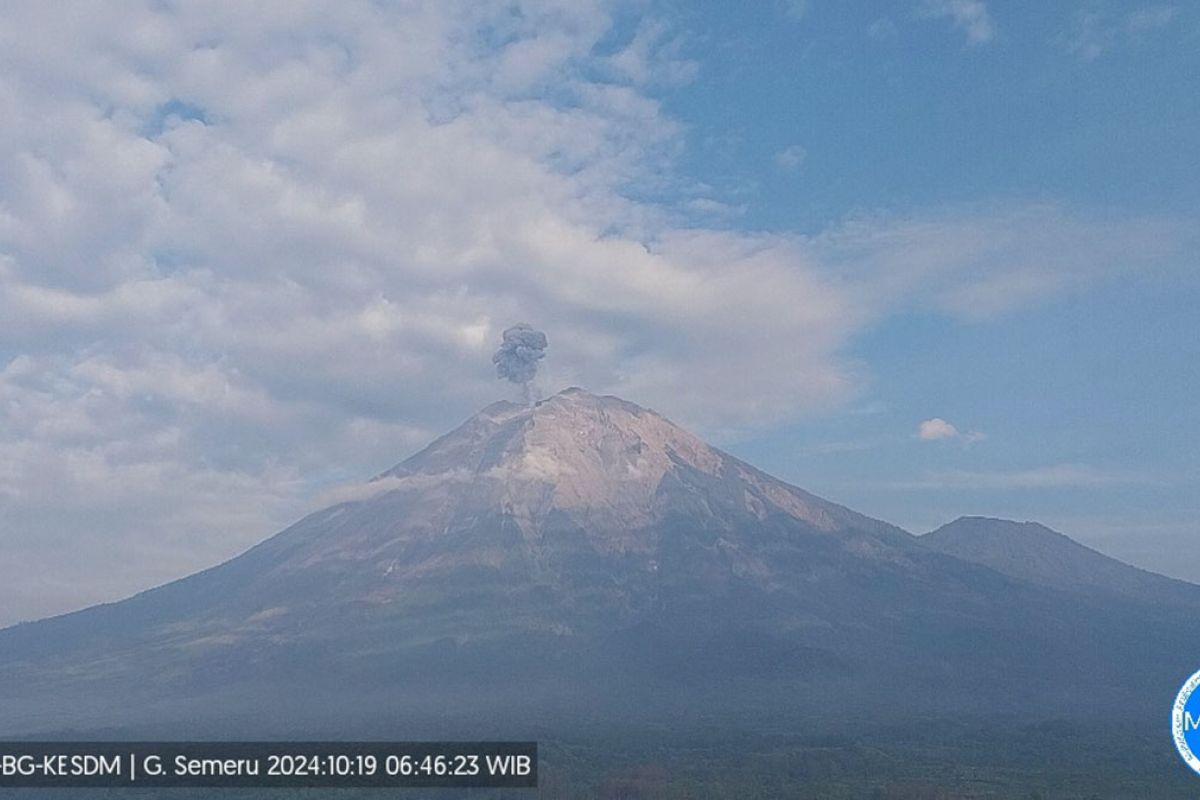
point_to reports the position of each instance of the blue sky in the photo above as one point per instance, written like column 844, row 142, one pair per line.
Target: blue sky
column 926, row 257
column 1087, row 400
column 920, row 116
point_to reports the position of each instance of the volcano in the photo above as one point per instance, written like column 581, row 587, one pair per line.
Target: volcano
column 584, row 561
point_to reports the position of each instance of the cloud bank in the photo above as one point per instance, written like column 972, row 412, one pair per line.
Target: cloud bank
column 251, row 251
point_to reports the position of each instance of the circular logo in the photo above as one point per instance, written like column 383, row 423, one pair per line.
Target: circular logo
column 1185, row 722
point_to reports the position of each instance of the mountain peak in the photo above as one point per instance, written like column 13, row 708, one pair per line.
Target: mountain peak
column 557, row 434
column 970, row 526
column 1033, row 552
column 602, row 462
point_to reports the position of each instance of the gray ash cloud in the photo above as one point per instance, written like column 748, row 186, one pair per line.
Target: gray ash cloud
column 520, row 351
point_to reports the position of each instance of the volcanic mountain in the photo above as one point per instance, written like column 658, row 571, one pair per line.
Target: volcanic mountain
column 584, row 559
column 1032, row 552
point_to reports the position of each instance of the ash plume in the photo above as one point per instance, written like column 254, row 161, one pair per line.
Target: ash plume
column 517, row 359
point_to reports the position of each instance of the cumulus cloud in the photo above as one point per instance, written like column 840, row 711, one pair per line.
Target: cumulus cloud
column 970, row 16
column 252, row 251
column 934, row 429
column 938, row 429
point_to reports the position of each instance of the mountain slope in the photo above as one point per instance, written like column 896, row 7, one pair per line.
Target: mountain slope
column 580, row 559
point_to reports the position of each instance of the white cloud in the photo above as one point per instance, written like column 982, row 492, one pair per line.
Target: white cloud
column 1048, row 477
column 833, row 448
column 970, row 16
column 938, row 429
column 1150, row 17
column 983, row 263
column 934, row 429
column 882, row 29
column 1094, row 33
column 359, row 490
column 795, row 9
column 791, row 158
column 654, row 56
column 251, row 251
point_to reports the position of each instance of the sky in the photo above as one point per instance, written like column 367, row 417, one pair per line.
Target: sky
column 925, row 258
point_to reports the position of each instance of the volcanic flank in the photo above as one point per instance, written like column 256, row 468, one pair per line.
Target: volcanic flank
column 581, row 559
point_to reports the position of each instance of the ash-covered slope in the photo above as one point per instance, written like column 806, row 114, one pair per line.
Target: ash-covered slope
column 581, row 559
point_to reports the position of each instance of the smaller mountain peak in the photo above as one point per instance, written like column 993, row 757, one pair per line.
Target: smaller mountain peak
column 1033, row 552
column 974, row 518
column 991, row 526
column 979, row 518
